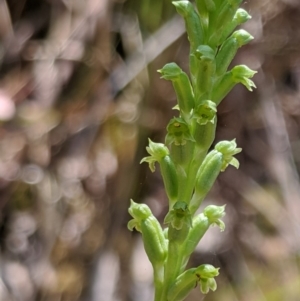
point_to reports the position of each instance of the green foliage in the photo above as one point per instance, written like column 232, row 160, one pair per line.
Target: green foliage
column 188, row 169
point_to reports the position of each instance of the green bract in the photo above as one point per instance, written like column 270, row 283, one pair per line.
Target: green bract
column 188, row 165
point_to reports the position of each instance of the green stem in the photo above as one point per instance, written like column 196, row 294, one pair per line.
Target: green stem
column 158, row 282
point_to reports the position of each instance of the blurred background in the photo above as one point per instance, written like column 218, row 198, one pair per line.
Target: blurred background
column 80, row 95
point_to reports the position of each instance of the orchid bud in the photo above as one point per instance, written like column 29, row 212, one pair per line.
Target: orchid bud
column 229, row 49
column 214, row 214
column 228, row 149
column 238, row 74
column 160, row 153
column 153, row 237
column 192, row 23
column 189, row 279
column 206, row 176
column 182, row 86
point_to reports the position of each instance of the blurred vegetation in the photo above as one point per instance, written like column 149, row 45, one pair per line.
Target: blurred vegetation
column 79, row 95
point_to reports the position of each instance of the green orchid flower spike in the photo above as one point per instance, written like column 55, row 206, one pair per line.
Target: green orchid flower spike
column 188, row 162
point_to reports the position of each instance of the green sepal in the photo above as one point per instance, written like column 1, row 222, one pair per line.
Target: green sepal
column 228, row 149
column 178, row 132
column 207, row 271
column 241, row 74
column 178, row 216
column 207, row 284
column 241, row 16
column 170, row 71
column 242, row 36
column 205, row 53
column 214, row 214
column 139, row 211
column 157, row 152
column 205, row 112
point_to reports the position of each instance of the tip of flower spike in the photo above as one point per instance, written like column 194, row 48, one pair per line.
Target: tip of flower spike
column 208, row 284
